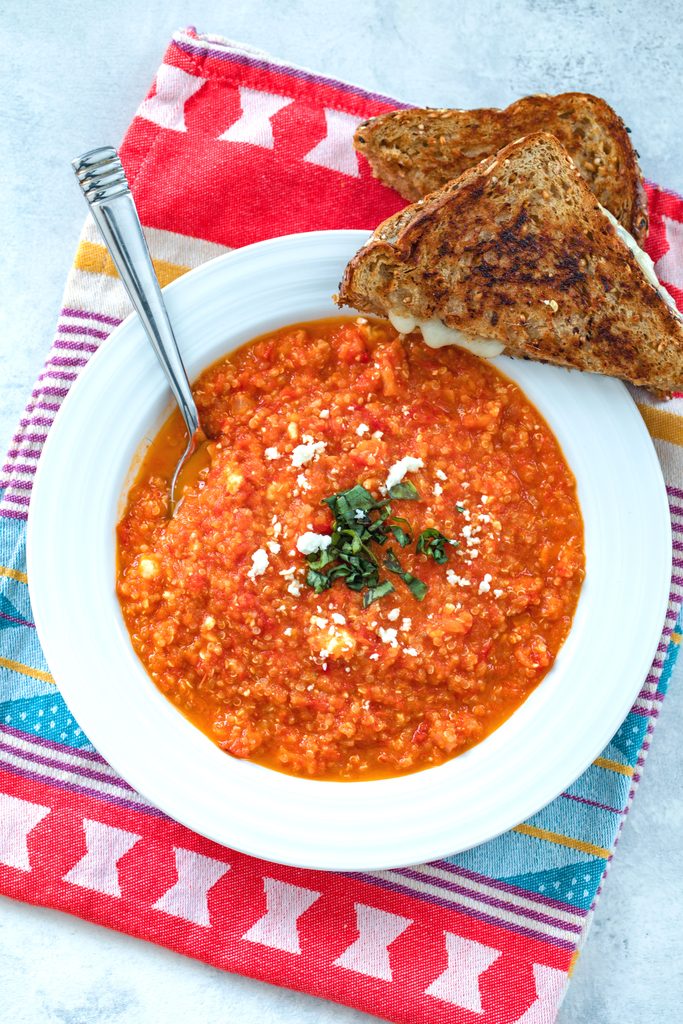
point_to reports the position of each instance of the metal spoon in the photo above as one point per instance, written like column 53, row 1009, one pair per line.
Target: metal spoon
column 103, row 182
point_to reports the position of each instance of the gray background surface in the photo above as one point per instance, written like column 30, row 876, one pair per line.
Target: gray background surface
column 71, row 78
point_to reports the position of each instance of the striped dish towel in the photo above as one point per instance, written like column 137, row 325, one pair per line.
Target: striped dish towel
column 231, row 147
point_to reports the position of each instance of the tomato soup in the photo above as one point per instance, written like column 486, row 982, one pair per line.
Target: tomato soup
column 379, row 563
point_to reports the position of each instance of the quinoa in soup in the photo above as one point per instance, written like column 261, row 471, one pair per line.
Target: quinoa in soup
column 377, row 566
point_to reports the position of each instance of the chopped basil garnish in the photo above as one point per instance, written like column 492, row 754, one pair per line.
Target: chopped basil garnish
column 417, row 588
column 318, row 581
column 432, row 543
column 345, row 504
column 402, row 537
column 374, row 593
column 359, row 522
column 404, row 491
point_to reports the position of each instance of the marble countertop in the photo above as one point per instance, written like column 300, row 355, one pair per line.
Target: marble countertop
column 72, row 80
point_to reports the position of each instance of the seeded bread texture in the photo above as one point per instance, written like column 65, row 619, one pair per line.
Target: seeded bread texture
column 518, row 250
column 418, row 151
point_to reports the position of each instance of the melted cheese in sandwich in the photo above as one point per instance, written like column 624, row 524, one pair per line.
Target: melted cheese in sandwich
column 643, row 260
column 436, row 334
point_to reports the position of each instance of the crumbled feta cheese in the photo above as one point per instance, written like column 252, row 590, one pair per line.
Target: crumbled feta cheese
column 473, row 552
column 277, row 528
column 294, row 588
column 441, row 475
column 406, row 625
column 466, row 531
column 484, row 518
column 497, row 593
column 455, row 580
column 272, row 453
column 484, row 498
column 307, row 439
column 309, row 543
column 292, row 430
column 393, row 614
column 485, row 584
column 303, row 482
column 359, row 513
column 388, row 636
column 374, row 657
column 338, row 618
column 408, row 464
column 288, row 631
column 438, row 490
column 273, row 547
column 324, row 414
column 378, row 434
column 306, row 452
column 148, row 568
column 411, row 651
column 288, row 572
column 259, row 563
column 362, row 428
column 318, row 621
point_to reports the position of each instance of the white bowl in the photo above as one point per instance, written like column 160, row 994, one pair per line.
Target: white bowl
column 121, row 398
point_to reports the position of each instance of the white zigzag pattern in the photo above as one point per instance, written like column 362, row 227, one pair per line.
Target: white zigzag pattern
column 254, row 124
column 369, row 954
column 336, row 150
column 459, row 983
column 670, row 267
column 187, row 898
column 98, row 868
column 285, row 904
column 18, row 818
column 167, row 107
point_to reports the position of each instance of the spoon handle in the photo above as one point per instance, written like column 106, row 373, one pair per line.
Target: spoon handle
column 104, row 185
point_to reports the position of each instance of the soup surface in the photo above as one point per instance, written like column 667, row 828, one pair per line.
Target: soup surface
column 450, row 508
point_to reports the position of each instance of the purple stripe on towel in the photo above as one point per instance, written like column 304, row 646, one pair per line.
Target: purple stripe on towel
column 85, row 315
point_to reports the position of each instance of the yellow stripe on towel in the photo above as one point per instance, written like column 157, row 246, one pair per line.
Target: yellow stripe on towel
column 95, row 259
column 664, row 425
column 613, row 766
column 26, row 670
column 13, row 574
column 556, row 837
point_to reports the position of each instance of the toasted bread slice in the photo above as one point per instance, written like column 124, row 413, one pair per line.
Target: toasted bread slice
column 519, row 251
column 418, row 151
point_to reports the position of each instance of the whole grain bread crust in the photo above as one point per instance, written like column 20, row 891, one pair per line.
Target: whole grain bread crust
column 518, row 250
column 417, row 151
